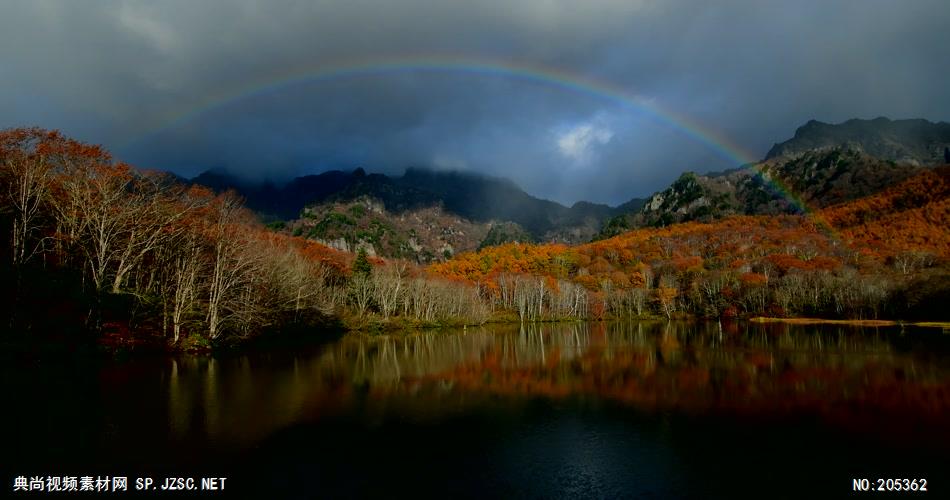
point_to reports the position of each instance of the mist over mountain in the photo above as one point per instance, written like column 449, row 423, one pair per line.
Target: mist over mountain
column 475, row 197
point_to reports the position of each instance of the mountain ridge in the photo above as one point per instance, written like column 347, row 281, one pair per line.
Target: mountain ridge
column 817, row 178
column 822, row 164
column 450, row 211
column 477, row 197
column 910, row 140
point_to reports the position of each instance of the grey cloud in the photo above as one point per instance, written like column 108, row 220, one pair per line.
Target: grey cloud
column 113, row 72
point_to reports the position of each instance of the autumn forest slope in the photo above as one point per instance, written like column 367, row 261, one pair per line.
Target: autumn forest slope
column 865, row 258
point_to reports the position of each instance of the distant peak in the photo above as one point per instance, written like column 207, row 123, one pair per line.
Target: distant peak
column 913, row 140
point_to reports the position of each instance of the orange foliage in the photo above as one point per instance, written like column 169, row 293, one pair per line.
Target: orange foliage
column 753, row 279
column 910, row 217
column 688, row 264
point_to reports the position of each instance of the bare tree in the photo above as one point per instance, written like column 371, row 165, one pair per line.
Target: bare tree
column 360, row 291
column 389, row 286
column 153, row 208
column 231, row 263
column 27, row 174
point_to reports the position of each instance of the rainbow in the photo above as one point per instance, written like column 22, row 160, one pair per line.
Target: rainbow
column 464, row 64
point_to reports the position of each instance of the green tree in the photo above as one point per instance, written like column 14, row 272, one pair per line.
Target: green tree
column 361, row 265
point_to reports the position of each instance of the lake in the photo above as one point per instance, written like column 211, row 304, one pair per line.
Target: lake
column 604, row 410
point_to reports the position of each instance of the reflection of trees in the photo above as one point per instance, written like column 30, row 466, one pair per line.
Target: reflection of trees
column 652, row 366
column 234, row 399
column 664, row 366
column 387, row 360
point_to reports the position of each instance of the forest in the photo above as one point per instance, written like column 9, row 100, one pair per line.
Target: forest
column 882, row 256
column 97, row 251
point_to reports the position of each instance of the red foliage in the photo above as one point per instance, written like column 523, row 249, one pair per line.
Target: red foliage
column 753, row 279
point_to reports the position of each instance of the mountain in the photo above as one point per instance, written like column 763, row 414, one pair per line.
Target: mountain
column 421, row 234
column 427, row 215
column 914, row 141
column 483, row 199
column 822, row 165
column 788, row 184
column 423, row 215
column 476, row 197
column 278, row 202
column 880, row 255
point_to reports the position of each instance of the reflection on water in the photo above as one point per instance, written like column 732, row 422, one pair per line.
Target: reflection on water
column 850, row 376
column 592, row 409
column 231, row 400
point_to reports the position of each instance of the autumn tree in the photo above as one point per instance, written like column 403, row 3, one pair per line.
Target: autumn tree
column 153, row 207
column 666, row 295
column 27, row 175
column 231, row 265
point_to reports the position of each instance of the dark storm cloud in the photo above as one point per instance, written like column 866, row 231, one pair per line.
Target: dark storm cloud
column 116, row 72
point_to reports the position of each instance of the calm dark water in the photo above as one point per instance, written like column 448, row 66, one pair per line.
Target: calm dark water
column 623, row 410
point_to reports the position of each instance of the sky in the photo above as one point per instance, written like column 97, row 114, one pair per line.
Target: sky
column 598, row 100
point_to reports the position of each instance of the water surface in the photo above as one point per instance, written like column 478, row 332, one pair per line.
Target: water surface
column 648, row 410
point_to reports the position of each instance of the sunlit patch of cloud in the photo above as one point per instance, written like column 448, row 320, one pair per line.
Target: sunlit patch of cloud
column 580, row 142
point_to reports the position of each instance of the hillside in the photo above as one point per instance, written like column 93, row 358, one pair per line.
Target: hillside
column 908, row 222
column 883, row 254
column 423, row 234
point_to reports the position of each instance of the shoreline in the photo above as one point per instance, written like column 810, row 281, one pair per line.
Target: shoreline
column 39, row 348
column 945, row 325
